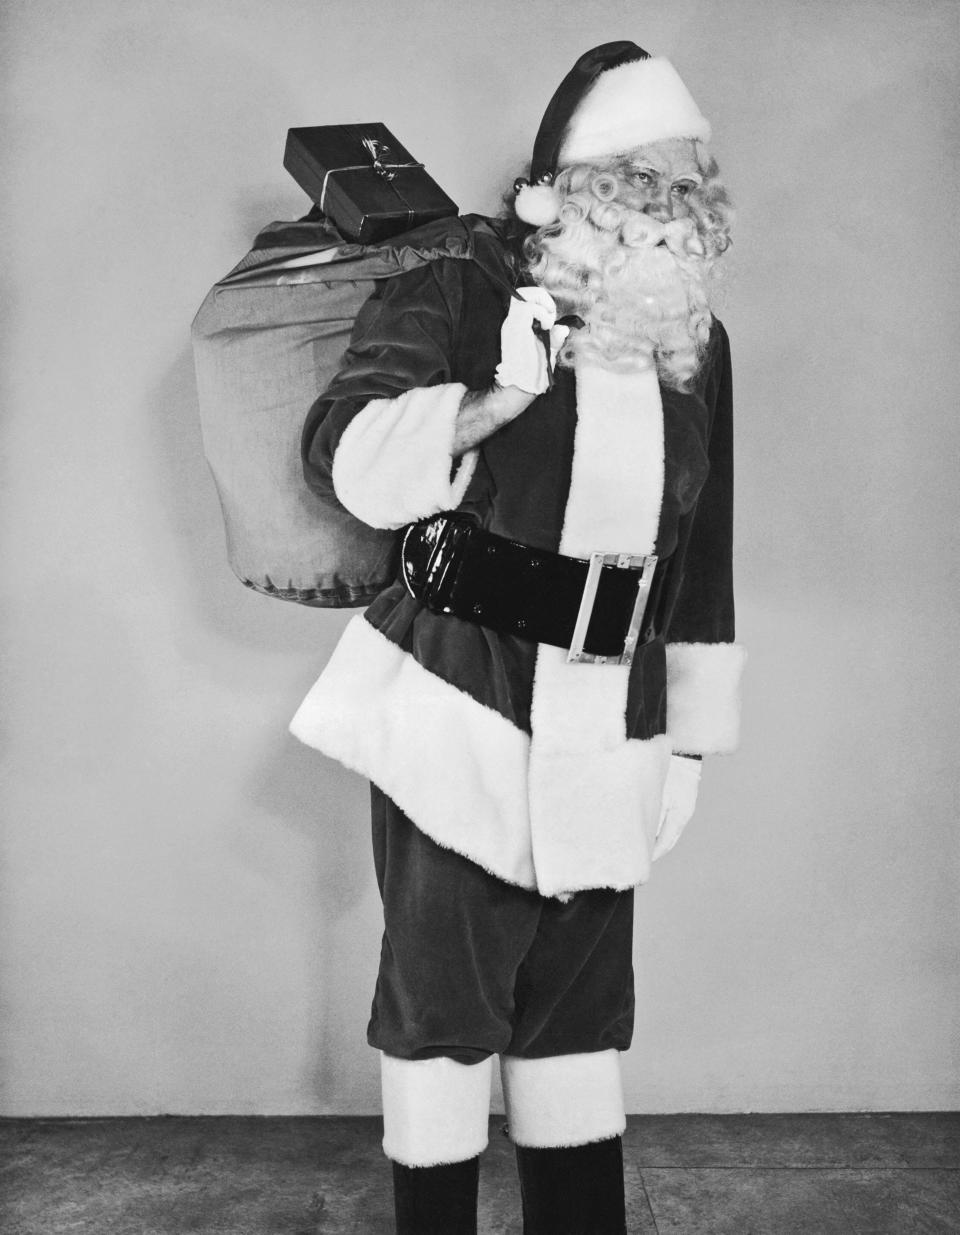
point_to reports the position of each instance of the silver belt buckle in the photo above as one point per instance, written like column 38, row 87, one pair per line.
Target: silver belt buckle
column 625, row 561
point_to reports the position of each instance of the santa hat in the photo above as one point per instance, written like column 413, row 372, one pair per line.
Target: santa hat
column 615, row 98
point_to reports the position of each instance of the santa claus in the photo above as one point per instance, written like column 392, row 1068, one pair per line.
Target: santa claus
column 532, row 700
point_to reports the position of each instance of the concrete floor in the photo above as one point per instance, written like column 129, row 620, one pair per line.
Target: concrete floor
column 686, row 1175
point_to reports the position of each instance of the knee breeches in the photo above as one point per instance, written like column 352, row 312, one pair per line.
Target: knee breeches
column 473, row 967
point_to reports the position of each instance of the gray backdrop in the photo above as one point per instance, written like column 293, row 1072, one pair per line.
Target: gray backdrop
column 190, row 918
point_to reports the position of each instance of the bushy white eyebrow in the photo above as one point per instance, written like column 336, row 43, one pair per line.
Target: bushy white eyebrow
column 691, row 175
column 639, row 166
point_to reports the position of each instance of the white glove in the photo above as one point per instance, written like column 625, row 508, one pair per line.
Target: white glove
column 678, row 803
column 523, row 360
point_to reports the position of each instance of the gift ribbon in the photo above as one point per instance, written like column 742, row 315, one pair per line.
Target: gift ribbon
column 365, row 167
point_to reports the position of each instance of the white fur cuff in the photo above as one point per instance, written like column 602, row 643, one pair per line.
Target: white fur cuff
column 434, row 1110
column 563, row 1100
column 703, row 696
column 393, row 462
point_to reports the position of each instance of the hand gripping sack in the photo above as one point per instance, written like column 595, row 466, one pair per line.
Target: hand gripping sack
column 267, row 341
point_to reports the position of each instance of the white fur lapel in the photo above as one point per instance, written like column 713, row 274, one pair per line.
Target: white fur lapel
column 579, row 740
column 616, row 481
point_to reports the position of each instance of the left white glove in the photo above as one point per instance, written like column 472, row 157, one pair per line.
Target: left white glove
column 523, row 359
column 678, row 803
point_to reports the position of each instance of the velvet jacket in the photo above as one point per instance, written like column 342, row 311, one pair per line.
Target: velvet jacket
column 548, row 774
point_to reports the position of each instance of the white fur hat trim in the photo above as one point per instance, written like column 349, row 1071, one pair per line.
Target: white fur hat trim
column 639, row 102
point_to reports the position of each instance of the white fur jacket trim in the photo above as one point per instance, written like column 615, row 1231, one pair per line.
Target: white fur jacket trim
column 394, row 461
column 594, row 793
column 454, row 766
column 558, row 824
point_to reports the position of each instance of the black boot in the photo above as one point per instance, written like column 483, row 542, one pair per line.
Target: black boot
column 436, row 1200
column 577, row 1191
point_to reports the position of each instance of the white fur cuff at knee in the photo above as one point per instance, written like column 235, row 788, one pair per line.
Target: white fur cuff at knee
column 563, row 1100
column 434, row 1110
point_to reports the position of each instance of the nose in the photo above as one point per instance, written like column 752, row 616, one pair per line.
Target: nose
column 660, row 205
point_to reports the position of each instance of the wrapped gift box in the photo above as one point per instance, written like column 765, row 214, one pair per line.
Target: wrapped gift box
column 364, row 180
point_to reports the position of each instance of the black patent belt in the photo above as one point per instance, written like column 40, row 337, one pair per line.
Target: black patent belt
column 594, row 607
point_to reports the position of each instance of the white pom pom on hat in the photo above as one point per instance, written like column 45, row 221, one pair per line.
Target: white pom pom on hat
column 537, row 204
column 615, row 98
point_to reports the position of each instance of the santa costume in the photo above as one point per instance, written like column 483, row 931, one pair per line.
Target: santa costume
column 517, row 793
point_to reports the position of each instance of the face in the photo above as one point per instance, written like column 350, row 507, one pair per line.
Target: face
column 664, row 176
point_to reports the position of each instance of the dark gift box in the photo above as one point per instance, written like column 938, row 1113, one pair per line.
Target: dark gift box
column 362, row 178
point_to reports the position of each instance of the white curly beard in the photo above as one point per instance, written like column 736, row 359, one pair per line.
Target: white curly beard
column 641, row 288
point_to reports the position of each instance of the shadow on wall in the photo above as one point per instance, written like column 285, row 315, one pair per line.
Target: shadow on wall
column 217, row 619
column 315, row 798
column 319, row 801
column 237, row 637
column 269, row 652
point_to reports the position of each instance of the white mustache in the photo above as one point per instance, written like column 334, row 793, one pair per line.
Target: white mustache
column 642, row 231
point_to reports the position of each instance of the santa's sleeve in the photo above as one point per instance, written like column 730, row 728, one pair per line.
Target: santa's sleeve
column 704, row 663
column 381, row 434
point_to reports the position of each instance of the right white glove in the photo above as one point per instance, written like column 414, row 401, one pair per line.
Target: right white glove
column 679, row 802
column 523, row 360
